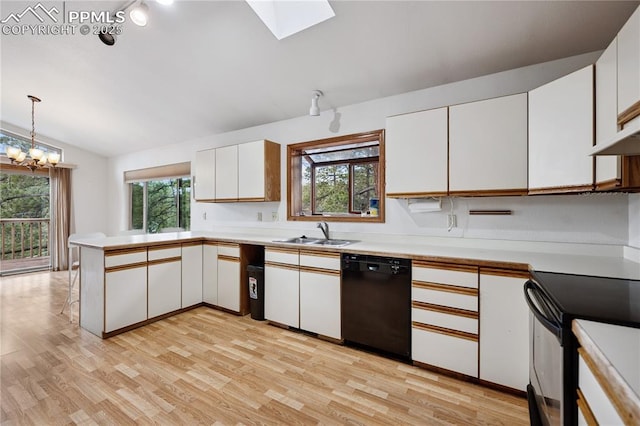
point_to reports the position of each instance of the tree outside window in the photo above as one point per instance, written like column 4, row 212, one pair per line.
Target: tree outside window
column 158, row 204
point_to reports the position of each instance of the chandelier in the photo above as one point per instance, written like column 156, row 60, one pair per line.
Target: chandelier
column 37, row 157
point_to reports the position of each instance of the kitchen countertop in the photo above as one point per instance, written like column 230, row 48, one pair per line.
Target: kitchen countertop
column 615, row 352
column 551, row 257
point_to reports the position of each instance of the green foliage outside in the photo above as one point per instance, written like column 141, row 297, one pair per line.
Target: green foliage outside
column 168, row 204
column 24, row 196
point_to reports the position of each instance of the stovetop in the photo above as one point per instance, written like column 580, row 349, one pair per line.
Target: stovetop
column 609, row 300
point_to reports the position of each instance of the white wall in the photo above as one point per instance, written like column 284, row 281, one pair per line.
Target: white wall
column 634, row 220
column 88, row 181
column 592, row 219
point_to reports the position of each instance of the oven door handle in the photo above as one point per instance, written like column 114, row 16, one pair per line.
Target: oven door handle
column 552, row 326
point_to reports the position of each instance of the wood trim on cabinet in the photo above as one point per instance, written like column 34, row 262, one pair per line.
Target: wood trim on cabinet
column 164, row 260
column 192, row 244
column 209, row 243
column 631, row 171
column 282, row 250
column 332, row 272
column 445, row 331
column 166, row 246
column 226, row 244
column 505, row 272
column 271, row 171
column 468, row 291
column 282, row 266
column 446, row 266
column 445, row 309
column 330, row 255
column 608, row 185
column 490, row 192
column 585, row 409
column 228, row 258
column 417, row 194
column 226, row 200
column 250, row 199
column 124, row 267
column 561, row 189
column 629, row 114
column 121, row 251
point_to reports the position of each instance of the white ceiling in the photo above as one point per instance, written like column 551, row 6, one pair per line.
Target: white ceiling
column 206, row 67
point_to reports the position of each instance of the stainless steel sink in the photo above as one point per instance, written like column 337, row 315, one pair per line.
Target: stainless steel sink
column 333, row 243
column 299, row 240
column 315, row 241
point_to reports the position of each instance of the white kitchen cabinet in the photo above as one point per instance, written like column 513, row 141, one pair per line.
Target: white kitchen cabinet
column 210, row 273
column 205, row 175
column 504, row 328
column 628, row 72
column 608, row 167
column 164, row 282
column 259, row 171
column 191, row 274
column 488, row 147
column 282, row 286
column 444, row 316
column 320, row 299
column 561, row 134
column 416, row 154
column 226, row 171
column 125, row 289
column 591, row 394
column 229, row 277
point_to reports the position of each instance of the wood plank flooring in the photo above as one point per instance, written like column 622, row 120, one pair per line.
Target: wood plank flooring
column 209, row 367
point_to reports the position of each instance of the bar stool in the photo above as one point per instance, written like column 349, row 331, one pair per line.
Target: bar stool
column 75, row 265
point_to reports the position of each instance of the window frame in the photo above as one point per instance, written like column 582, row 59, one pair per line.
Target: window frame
column 145, row 200
column 294, row 177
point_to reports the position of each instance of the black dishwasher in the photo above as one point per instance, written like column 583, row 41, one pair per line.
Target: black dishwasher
column 376, row 303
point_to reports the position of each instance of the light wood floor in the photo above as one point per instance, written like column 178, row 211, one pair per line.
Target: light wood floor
column 209, row 367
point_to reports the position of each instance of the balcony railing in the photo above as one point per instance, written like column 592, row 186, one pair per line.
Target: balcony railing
column 25, row 244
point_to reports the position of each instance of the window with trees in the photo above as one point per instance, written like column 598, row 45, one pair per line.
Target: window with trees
column 338, row 179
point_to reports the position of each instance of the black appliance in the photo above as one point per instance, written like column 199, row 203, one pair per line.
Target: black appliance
column 555, row 300
column 376, row 303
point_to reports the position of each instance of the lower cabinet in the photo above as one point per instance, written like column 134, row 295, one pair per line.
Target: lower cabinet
column 282, row 286
column 320, row 293
column 229, row 276
column 125, row 297
column 594, row 406
column 164, row 280
column 504, row 328
column 191, row 274
column 444, row 316
column 210, row 273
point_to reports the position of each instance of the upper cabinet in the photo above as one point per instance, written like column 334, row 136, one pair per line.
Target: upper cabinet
column 244, row 172
column 416, row 154
column 259, row 171
column 629, row 72
column 561, row 134
column 205, row 175
column 488, row 147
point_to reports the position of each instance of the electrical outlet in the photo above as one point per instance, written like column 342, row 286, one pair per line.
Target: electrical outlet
column 452, row 221
column 274, row 216
column 259, row 216
column 204, row 215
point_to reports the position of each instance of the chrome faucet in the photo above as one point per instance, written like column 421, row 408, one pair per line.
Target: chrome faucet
column 325, row 229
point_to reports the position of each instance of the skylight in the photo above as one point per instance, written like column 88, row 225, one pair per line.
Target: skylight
column 285, row 18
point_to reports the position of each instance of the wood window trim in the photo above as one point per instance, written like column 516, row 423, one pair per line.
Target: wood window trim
column 294, row 178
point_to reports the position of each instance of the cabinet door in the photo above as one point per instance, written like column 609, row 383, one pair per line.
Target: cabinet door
column 320, row 302
column 561, row 134
column 191, row 275
column 205, row 173
column 210, row 274
column 504, row 331
column 282, row 294
column 608, row 167
column 227, row 173
column 229, row 284
column 416, row 153
column 125, row 297
column 251, row 171
column 164, row 287
column 488, row 146
column 629, row 70
column 445, row 351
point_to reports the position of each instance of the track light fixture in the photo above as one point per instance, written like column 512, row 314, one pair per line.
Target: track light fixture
column 140, row 14
column 315, row 110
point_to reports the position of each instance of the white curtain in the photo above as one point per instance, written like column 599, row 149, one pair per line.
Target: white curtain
column 60, row 181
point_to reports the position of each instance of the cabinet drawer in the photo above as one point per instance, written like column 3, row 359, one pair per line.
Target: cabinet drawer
column 112, row 259
column 595, row 397
column 322, row 261
column 462, row 276
column 164, row 253
column 444, row 351
column 441, row 319
column 288, row 257
column 232, row 250
column 450, row 299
